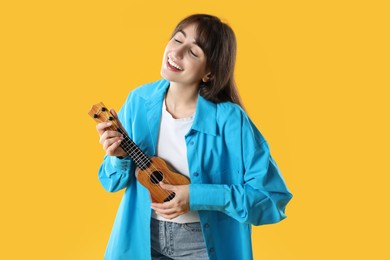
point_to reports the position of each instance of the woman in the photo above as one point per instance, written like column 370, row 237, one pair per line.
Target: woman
column 193, row 119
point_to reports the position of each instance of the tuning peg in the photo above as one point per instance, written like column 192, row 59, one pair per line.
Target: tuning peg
column 104, row 109
column 110, row 118
column 95, row 116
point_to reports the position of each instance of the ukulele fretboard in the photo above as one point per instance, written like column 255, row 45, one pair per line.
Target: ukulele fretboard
column 141, row 160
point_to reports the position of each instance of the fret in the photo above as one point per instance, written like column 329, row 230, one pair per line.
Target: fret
column 140, row 158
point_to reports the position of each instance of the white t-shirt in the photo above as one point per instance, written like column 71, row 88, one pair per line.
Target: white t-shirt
column 171, row 147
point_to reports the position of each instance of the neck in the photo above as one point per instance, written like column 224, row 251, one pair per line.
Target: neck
column 181, row 100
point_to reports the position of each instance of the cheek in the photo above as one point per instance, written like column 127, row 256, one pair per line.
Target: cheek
column 169, row 45
column 165, row 53
column 201, row 68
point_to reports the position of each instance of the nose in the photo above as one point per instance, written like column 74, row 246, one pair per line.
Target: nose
column 178, row 52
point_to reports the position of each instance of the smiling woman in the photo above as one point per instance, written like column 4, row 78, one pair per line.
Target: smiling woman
column 193, row 119
column 184, row 62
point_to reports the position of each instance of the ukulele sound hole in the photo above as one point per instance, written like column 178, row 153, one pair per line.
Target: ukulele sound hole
column 156, row 177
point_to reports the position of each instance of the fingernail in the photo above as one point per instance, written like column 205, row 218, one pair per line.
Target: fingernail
column 109, row 123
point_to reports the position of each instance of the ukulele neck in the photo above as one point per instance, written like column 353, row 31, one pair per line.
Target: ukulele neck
column 140, row 158
column 101, row 114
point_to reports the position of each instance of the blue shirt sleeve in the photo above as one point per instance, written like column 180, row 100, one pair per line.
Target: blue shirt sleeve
column 115, row 173
column 263, row 195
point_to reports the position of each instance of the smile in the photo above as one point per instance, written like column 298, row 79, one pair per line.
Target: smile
column 173, row 64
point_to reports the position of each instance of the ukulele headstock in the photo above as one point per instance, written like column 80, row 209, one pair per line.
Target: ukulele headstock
column 100, row 114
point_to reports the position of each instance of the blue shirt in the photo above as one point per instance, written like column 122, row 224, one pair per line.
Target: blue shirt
column 235, row 183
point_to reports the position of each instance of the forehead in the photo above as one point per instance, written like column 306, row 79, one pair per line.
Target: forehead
column 190, row 31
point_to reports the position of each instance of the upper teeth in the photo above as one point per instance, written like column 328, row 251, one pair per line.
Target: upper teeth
column 174, row 64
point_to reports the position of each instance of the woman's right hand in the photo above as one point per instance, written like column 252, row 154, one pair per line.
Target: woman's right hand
column 111, row 139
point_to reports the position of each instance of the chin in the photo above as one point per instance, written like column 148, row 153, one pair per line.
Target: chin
column 166, row 75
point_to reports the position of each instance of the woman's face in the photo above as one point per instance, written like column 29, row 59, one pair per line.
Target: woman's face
column 184, row 61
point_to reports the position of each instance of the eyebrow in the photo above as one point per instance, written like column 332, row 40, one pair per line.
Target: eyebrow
column 195, row 42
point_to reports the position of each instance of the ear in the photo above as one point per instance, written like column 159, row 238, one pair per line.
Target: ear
column 207, row 77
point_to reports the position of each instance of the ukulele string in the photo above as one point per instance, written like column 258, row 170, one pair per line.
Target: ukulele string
column 126, row 145
column 138, row 159
column 138, row 155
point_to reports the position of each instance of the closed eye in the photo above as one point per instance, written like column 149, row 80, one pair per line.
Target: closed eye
column 194, row 54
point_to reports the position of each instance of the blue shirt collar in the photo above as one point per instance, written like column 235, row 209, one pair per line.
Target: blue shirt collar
column 205, row 114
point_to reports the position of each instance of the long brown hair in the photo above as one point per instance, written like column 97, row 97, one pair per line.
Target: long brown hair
column 218, row 42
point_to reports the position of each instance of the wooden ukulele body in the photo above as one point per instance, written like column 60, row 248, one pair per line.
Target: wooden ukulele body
column 156, row 172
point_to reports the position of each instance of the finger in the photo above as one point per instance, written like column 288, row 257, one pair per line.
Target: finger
column 112, row 111
column 169, row 216
column 108, row 135
column 116, row 150
column 101, row 127
column 166, row 211
column 167, row 186
column 110, row 145
column 165, row 205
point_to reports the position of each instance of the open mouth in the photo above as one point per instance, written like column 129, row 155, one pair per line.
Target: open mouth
column 173, row 66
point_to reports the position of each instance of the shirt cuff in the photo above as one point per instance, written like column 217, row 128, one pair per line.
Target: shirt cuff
column 207, row 196
column 121, row 164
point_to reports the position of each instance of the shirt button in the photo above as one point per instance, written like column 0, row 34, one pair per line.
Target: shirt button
column 196, row 174
column 192, row 143
column 211, row 249
column 206, row 225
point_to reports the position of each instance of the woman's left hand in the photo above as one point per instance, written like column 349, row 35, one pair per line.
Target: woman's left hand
column 175, row 207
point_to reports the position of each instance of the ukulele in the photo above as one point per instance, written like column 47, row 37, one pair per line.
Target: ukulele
column 150, row 170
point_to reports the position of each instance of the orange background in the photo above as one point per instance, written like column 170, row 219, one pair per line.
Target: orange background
column 314, row 77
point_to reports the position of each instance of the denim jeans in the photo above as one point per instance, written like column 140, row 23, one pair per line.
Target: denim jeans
column 177, row 241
